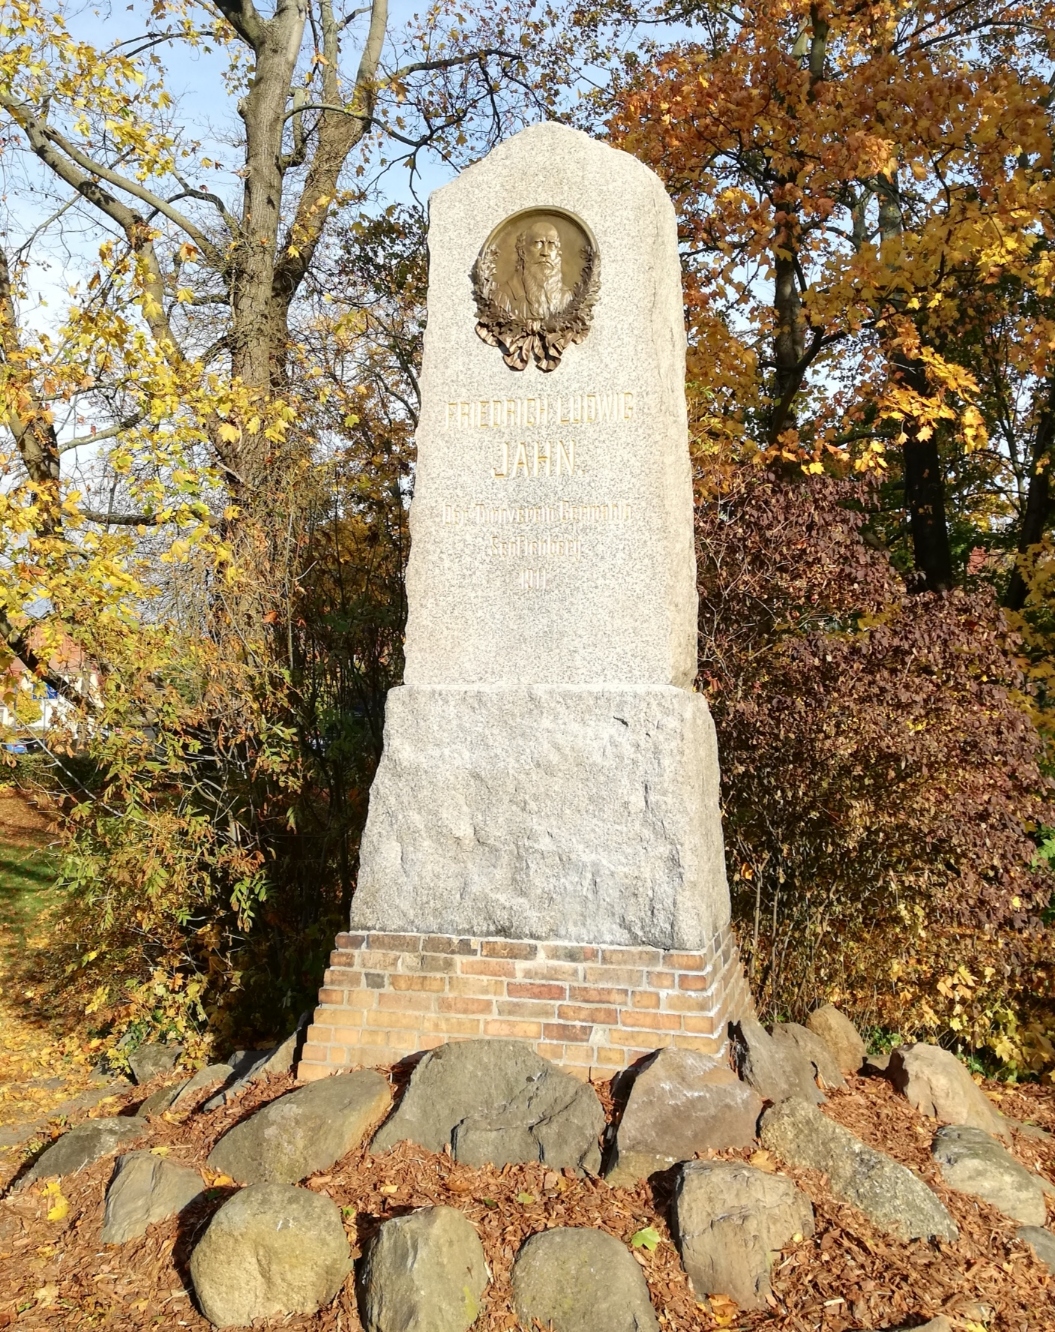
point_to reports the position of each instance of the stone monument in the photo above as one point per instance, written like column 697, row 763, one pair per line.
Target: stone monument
column 543, row 853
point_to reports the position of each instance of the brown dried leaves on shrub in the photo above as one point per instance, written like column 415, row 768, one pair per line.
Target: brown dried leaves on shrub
column 880, row 778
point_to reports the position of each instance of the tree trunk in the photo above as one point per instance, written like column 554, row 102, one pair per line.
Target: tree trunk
column 921, row 463
column 256, row 359
column 924, row 475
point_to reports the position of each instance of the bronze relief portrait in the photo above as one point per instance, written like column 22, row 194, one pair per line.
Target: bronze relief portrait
column 535, row 282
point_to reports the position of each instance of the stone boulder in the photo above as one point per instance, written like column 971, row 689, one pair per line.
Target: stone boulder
column 681, row 1103
column 1042, row 1242
column 248, row 1066
column 579, row 1280
column 497, row 1102
column 149, row 1061
column 889, row 1194
column 808, row 1045
column 935, row 1083
column 145, row 1188
column 160, row 1100
column 422, row 1271
column 1029, row 1130
column 840, row 1036
column 974, row 1162
column 190, row 1090
column 304, row 1131
column 731, row 1221
column 82, row 1145
column 271, row 1249
column 775, row 1071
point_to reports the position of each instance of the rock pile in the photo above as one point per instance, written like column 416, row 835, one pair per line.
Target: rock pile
column 278, row 1248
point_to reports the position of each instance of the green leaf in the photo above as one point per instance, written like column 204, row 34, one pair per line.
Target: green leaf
column 526, row 1198
column 648, row 1238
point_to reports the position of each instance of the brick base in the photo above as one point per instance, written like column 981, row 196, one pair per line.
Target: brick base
column 592, row 1009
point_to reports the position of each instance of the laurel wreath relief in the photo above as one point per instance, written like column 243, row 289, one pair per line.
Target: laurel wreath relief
column 545, row 340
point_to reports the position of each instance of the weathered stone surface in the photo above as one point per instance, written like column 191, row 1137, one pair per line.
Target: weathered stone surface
column 731, row 1221
column 284, row 1056
column 935, row 1083
column 681, row 1103
column 209, row 1076
column 249, row 1066
column 304, row 1131
column 536, row 812
column 1029, row 1130
column 809, row 1047
column 888, row 1193
column 974, row 1162
column 424, row 1272
column 145, row 1188
column 150, row 1060
column 840, row 1036
column 579, row 1280
column 82, row 1145
column 547, row 772
column 497, row 1102
column 160, row 1100
column 624, row 610
column 271, row 1249
column 775, row 1071
column 1042, row 1242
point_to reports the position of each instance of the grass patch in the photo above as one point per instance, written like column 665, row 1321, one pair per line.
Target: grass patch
column 27, row 887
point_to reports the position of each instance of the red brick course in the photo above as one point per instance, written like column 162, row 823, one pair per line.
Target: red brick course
column 591, row 1009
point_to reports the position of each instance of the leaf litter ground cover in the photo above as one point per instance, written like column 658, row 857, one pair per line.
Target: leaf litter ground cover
column 54, row 1272
column 38, row 1069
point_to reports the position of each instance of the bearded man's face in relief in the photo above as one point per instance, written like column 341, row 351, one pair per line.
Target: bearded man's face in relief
column 539, row 253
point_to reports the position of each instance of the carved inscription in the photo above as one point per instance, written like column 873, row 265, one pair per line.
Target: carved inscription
column 538, row 459
column 544, row 411
column 512, row 533
column 545, row 540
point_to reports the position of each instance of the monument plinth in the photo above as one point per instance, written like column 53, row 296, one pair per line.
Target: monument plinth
column 543, row 854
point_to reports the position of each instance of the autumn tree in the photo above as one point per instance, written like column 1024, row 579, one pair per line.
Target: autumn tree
column 850, row 180
column 201, row 457
column 864, row 197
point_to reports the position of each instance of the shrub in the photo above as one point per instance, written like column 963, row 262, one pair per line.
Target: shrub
column 881, row 781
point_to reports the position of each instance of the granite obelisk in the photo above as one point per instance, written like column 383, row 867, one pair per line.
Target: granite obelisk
column 548, row 792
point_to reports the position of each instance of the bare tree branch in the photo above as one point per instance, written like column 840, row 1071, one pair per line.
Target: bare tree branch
column 111, row 432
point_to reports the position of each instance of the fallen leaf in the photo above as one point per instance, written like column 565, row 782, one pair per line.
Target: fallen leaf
column 526, row 1199
column 762, row 1160
column 724, row 1311
column 648, row 1237
column 59, row 1206
column 46, row 1296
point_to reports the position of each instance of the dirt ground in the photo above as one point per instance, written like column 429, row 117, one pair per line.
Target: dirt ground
column 55, row 1274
